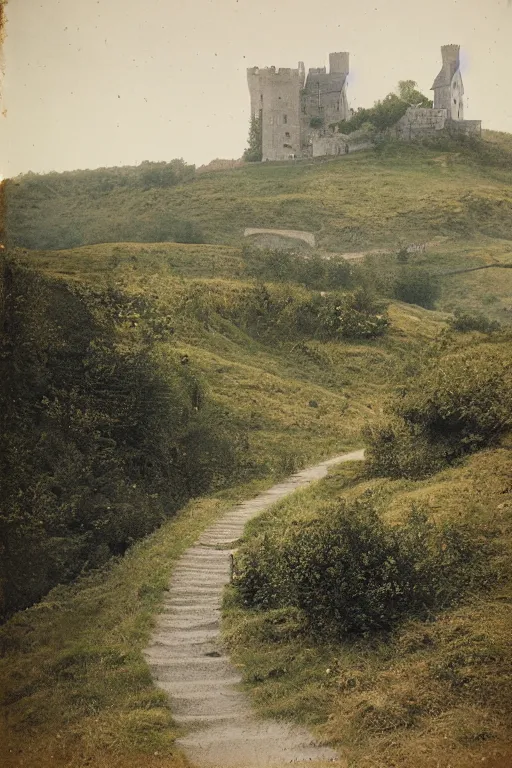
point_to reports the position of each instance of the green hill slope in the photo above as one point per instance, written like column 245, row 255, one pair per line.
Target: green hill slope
column 364, row 200
column 77, row 691
column 129, row 349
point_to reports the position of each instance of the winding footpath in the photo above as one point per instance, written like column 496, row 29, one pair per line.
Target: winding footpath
column 187, row 660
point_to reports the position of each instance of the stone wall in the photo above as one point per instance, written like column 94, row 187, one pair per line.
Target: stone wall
column 468, row 127
column 280, row 236
column 419, row 122
column 339, row 144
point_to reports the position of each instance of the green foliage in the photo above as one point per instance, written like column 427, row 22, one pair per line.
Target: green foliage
column 311, row 270
column 352, row 574
column 100, row 441
column 407, row 90
column 416, row 286
column 267, row 309
column 386, row 113
column 473, row 321
column 188, row 232
column 316, row 122
column 345, row 207
column 253, row 153
column 56, row 188
column 459, row 404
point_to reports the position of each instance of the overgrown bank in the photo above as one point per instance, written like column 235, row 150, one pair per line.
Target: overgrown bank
column 377, row 608
column 102, row 440
column 124, row 397
column 76, row 689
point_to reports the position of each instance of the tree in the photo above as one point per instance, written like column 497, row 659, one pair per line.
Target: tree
column 416, row 286
column 407, row 90
column 386, row 113
column 253, row 153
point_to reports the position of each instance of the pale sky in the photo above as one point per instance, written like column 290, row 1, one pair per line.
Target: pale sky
column 91, row 83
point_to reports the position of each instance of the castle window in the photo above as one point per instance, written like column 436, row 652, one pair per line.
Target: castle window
column 287, row 146
column 287, row 134
column 285, row 119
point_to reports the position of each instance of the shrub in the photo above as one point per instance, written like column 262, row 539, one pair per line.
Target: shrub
column 100, row 441
column 461, row 403
column 416, row 286
column 473, row 321
column 253, row 153
column 265, row 309
column 352, row 574
column 386, row 113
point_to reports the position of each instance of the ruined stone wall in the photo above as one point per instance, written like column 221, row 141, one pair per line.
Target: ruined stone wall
column 339, row 144
column 467, row 127
column 456, row 111
column 285, row 237
column 419, row 122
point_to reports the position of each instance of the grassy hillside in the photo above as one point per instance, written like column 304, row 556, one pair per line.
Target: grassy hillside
column 278, row 373
column 434, row 693
column 76, row 689
column 364, row 200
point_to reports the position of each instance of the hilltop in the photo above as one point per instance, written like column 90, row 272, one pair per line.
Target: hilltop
column 458, row 189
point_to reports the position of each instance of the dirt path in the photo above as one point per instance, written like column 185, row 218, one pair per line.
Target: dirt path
column 187, row 660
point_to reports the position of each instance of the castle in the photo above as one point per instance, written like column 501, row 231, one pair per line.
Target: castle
column 296, row 114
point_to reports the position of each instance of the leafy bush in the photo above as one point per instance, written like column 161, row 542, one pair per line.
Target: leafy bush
column 458, row 405
column 351, row 573
column 265, row 309
column 311, row 271
column 100, row 442
column 416, row 286
column 386, row 113
column 473, row 321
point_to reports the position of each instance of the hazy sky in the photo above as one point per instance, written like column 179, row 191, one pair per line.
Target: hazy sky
column 92, row 83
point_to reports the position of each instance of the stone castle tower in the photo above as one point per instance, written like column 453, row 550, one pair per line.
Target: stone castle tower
column 448, row 87
column 299, row 115
column 291, row 107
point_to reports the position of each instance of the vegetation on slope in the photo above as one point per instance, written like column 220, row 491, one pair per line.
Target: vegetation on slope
column 433, row 692
column 136, row 390
column 102, row 439
column 196, row 324
column 357, row 573
column 76, row 689
column 458, row 189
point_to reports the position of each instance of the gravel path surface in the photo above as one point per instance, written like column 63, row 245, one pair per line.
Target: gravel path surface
column 187, row 660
